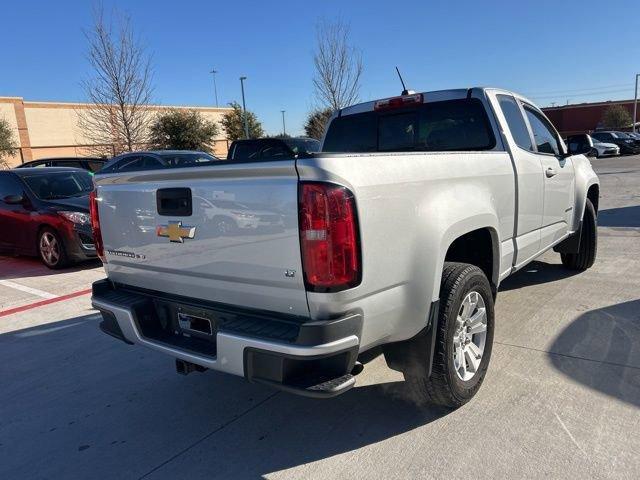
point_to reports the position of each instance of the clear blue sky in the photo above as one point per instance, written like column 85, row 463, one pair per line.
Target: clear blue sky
column 551, row 51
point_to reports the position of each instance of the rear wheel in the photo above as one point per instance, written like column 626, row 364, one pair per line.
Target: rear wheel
column 464, row 338
column 588, row 248
column 51, row 249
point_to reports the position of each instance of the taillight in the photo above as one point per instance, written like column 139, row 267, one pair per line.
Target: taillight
column 95, row 226
column 328, row 237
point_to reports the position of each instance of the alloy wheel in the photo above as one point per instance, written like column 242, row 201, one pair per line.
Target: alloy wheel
column 49, row 248
column 470, row 336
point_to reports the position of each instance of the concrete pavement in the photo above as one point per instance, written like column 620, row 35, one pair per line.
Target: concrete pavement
column 561, row 399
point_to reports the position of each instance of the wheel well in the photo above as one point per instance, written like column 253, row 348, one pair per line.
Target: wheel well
column 593, row 194
column 476, row 248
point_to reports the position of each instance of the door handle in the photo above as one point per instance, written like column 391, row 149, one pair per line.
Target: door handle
column 551, row 172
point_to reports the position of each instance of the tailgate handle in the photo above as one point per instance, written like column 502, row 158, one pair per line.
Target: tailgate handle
column 174, row 202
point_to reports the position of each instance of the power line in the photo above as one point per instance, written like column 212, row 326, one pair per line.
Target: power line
column 580, row 90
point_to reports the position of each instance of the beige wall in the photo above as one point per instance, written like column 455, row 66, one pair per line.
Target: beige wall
column 50, row 129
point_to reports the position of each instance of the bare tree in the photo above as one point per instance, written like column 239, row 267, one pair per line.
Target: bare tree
column 120, row 89
column 338, row 66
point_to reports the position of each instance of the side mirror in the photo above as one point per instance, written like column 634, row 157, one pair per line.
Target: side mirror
column 13, row 199
column 580, row 144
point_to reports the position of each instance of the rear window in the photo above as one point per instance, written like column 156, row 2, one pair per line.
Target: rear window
column 452, row 125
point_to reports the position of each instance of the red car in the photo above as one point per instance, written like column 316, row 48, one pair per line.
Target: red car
column 45, row 212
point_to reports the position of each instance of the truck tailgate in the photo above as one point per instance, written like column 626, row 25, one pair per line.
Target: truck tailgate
column 239, row 245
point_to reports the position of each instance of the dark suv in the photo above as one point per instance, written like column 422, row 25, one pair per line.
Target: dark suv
column 627, row 144
column 267, row 149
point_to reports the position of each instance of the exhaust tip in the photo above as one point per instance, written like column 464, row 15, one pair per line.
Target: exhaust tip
column 185, row 368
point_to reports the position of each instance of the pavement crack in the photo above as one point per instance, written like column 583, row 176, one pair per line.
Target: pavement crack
column 208, row 435
column 604, row 362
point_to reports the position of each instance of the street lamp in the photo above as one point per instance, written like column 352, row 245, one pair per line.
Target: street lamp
column 635, row 104
column 215, row 87
column 244, row 109
column 284, row 129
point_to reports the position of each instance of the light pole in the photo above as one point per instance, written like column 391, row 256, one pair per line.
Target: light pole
column 244, row 109
column 215, row 87
column 635, row 104
column 284, row 129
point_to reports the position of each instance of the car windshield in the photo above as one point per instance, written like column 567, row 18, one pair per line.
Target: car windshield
column 179, row 160
column 51, row 186
column 303, row 145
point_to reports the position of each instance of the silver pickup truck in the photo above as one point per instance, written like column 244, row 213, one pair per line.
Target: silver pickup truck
column 396, row 235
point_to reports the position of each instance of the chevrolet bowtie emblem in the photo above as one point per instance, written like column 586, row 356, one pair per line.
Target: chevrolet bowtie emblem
column 175, row 231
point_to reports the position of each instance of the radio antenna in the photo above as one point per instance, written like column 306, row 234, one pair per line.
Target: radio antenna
column 404, row 88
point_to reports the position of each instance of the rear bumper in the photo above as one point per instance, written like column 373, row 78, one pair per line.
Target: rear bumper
column 286, row 352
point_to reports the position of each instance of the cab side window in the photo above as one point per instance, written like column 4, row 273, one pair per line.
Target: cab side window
column 515, row 121
column 543, row 134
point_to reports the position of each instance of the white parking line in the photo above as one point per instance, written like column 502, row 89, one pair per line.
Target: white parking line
column 32, row 291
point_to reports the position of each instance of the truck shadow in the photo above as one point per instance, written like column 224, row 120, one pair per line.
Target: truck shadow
column 537, row 272
column 620, row 217
column 609, row 339
column 86, row 403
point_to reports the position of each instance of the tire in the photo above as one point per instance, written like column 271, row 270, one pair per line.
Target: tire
column 595, row 153
column 51, row 249
column 446, row 385
column 588, row 247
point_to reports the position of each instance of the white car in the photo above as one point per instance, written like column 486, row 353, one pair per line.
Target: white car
column 605, row 149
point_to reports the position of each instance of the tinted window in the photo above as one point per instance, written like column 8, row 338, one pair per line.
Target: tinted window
column 543, row 134
column 303, row 145
column 246, row 151
column 438, row 126
column 52, row 186
column 67, row 163
column 515, row 121
column 135, row 162
column 9, row 185
column 274, row 151
column 397, row 132
column 178, row 160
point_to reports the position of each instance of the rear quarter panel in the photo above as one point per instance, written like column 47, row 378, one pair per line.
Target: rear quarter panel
column 411, row 207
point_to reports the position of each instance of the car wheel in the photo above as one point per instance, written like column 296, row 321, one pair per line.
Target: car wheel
column 594, row 153
column 51, row 249
column 464, row 338
column 588, row 247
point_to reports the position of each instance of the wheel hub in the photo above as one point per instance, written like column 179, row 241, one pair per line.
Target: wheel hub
column 470, row 336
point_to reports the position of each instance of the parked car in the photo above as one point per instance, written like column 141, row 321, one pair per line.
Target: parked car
column 406, row 222
column 627, row 144
column 598, row 148
column 45, row 212
column 157, row 159
column 267, row 149
column 92, row 164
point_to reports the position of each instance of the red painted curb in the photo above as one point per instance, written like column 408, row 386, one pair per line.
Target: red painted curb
column 4, row 313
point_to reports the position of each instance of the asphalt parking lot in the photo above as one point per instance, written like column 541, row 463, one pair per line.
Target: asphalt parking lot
column 561, row 399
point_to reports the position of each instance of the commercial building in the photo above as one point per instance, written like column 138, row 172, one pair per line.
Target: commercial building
column 582, row 117
column 51, row 129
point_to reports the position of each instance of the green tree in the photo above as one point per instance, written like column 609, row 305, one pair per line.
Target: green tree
column 7, row 146
column 176, row 129
column 316, row 123
column 234, row 125
column 616, row 116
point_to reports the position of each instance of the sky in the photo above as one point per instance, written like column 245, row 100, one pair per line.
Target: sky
column 550, row 51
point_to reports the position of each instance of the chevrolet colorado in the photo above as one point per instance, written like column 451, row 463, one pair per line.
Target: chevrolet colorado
column 396, row 235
